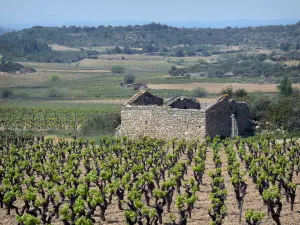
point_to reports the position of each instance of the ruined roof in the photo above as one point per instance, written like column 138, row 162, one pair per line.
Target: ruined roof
column 144, row 98
column 172, row 100
column 182, row 102
column 133, row 98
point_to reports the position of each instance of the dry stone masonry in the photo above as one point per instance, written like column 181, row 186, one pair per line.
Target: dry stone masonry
column 180, row 117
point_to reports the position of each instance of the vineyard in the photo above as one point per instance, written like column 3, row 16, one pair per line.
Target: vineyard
column 106, row 64
column 50, row 115
column 148, row 181
column 138, row 57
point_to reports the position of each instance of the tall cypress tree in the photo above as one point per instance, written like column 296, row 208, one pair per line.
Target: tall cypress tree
column 285, row 87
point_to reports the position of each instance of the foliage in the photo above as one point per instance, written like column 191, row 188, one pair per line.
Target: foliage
column 70, row 181
column 27, row 219
column 242, row 64
column 45, row 116
column 7, row 92
column 104, row 124
column 199, row 92
column 118, row 69
column 179, row 53
column 279, row 113
column 240, row 93
column 129, row 79
column 54, row 78
column 228, row 91
column 154, row 36
column 285, row 87
column 253, row 217
column 29, row 49
column 9, row 66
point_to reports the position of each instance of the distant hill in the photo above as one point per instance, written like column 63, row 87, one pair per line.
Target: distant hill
column 151, row 37
column 4, row 30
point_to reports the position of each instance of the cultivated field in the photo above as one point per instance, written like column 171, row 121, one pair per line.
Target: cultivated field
column 137, row 57
column 31, row 79
column 56, row 47
column 292, row 62
column 218, row 87
column 143, row 65
column 172, row 181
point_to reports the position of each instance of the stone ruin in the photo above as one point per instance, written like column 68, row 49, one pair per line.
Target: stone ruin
column 181, row 117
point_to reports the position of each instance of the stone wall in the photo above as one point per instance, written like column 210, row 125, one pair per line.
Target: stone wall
column 242, row 116
column 162, row 122
column 218, row 118
column 228, row 118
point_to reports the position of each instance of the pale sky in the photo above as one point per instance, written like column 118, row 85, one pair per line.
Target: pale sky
column 65, row 11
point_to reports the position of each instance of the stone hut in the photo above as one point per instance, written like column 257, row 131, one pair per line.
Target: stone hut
column 180, row 117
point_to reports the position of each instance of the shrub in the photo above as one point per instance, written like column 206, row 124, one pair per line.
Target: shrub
column 54, row 93
column 285, row 87
column 7, row 92
column 118, row 69
column 199, row 92
column 54, row 78
column 129, row 79
column 103, row 124
column 228, row 91
column 241, row 93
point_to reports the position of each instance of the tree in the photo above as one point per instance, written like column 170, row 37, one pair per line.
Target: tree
column 285, row 87
column 190, row 53
column 127, row 50
column 129, row 79
column 285, row 47
column 241, row 92
column 179, row 53
column 7, row 92
column 117, row 50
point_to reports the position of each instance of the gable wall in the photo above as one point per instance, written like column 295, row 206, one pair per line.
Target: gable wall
column 218, row 119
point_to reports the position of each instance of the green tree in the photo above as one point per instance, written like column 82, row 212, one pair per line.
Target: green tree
column 127, row 50
column 285, row 87
column 240, row 92
column 117, row 50
column 7, row 92
column 129, row 79
column 179, row 53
